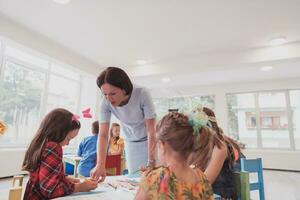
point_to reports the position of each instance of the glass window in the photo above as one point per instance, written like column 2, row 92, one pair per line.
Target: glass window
column 295, row 107
column 242, row 118
column 21, row 92
column 161, row 106
column 65, row 71
column 63, row 93
column 186, row 104
column 26, row 57
column 273, row 120
column 89, row 91
column 180, row 103
column 207, row 101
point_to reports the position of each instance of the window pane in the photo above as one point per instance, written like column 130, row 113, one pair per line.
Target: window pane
column 207, row 101
column 20, row 101
column 88, row 98
column 241, row 118
column 28, row 58
column 63, row 93
column 274, row 120
column 295, row 106
column 65, row 71
column 180, row 103
column 161, row 106
column 185, row 104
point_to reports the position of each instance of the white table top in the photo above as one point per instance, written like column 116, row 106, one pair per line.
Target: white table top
column 105, row 191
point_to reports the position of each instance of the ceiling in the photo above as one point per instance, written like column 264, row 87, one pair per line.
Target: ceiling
column 176, row 38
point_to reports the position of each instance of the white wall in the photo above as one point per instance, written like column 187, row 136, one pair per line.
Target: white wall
column 20, row 34
column 275, row 159
column 11, row 161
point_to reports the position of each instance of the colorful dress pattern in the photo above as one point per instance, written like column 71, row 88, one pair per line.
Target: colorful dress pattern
column 162, row 184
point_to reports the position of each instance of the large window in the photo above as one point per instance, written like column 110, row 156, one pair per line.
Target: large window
column 31, row 84
column 295, row 112
column 265, row 119
column 242, row 118
column 185, row 104
column 21, row 94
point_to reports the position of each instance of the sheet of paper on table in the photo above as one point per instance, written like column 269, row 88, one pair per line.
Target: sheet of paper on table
column 118, row 187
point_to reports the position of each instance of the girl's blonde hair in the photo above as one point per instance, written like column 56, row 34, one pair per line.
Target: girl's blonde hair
column 176, row 130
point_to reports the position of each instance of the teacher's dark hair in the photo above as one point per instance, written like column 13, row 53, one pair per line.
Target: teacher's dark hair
column 116, row 77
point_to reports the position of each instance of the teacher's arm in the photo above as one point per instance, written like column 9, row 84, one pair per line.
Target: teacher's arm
column 99, row 173
column 150, row 125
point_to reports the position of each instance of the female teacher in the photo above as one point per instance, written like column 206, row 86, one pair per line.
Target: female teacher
column 133, row 106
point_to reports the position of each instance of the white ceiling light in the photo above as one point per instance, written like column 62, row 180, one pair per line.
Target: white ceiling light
column 166, row 79
column 141, row 62
column 278, row 41
column 62, row 1
column 266, row 68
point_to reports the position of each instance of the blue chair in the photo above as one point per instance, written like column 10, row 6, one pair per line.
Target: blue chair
column 255, row 166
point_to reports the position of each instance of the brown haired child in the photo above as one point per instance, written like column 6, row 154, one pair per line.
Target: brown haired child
column 43, row 158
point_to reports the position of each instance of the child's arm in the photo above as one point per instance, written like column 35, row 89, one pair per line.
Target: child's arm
column 73, row 180
column 140, row 195
column 216, row 163
column 53, row 182
column 86, row 186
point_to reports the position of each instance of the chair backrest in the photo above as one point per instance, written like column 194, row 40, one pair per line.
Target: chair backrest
column 113, row 163
column 242, row 185
column 15, row 192
column 255, row 166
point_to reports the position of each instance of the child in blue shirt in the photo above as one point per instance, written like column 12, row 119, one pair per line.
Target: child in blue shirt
column 88, row 151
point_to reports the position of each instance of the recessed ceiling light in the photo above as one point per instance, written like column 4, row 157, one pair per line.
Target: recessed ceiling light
column 141, row 62
column 166, row 79
column 278, row 41
column 62, row 1
column 266, row 68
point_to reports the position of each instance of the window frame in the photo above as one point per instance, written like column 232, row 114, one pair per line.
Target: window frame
column 47, row 73
column 258, row 128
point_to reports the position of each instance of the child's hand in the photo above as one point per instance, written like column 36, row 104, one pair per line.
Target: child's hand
column 90, row 184
column 86, row 185
column 73, row 180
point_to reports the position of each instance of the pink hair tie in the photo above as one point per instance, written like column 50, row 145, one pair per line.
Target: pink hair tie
column 75, row 117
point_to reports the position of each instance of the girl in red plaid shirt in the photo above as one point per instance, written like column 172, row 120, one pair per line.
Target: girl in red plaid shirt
column 43, row 158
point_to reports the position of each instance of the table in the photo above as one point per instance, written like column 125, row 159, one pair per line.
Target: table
column 74, row 160
column 105, row 191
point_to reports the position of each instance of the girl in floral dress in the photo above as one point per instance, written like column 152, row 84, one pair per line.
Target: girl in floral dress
column 177, row 140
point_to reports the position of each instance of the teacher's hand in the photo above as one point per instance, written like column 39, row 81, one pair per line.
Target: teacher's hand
column 98, row 173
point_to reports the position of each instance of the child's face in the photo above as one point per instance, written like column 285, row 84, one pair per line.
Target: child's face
column 69, row 137
column 116, row 131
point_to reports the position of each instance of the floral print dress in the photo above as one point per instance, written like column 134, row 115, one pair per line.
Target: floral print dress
column 162, row 184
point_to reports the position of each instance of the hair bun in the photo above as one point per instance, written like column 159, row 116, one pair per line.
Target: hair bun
column 179, row 118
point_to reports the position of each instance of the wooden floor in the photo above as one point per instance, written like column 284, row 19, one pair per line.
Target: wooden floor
column 279, row 185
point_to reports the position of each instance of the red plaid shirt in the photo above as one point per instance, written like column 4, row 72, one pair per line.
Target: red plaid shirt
column 49, row 180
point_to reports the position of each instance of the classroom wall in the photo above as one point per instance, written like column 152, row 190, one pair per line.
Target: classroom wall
column 18, row 33
column 273, row 159
column 11, row 161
